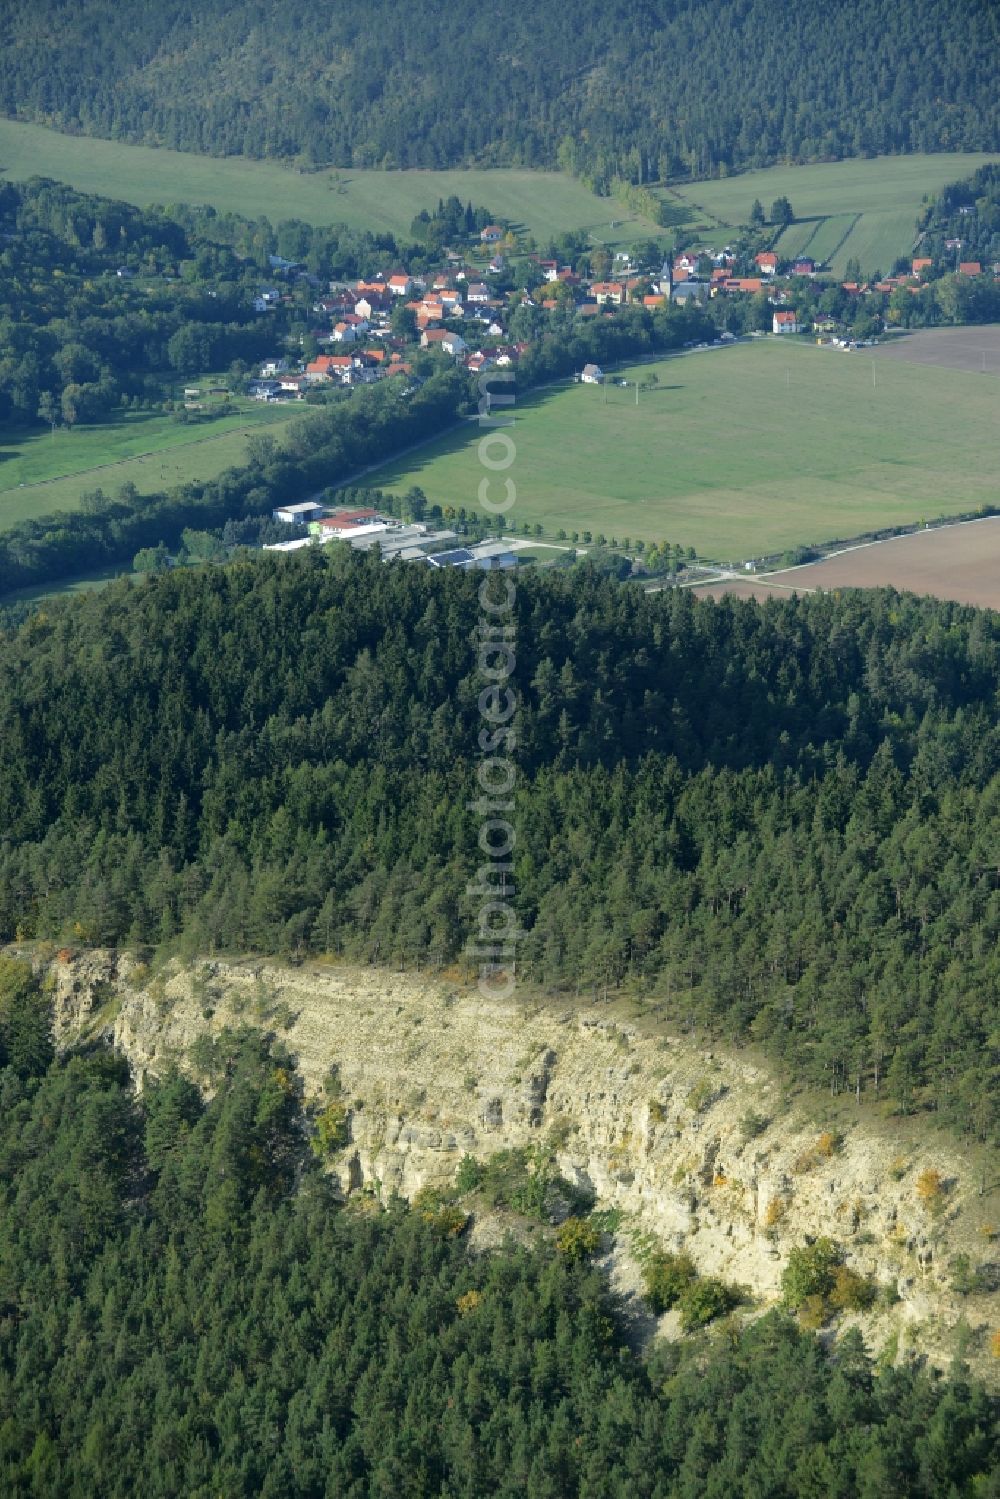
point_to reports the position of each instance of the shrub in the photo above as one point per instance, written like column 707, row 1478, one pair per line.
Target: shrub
column 702, row 1300
column 753, row 1124
column 930, row 1189
column 664, row 1278
column 811, row 1271
column 813, row 1313
column 657, row 1113
column 469, row 1302
column 332, row 1130
column 852, row 1292
column 577, row 1239
column 469, row 1174
column 701, row 1095
column 775, row 1211
column 828, row 1144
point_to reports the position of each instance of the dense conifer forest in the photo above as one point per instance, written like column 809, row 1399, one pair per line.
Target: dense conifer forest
column 640, row 89
column 186, row 1309
column 781, row 820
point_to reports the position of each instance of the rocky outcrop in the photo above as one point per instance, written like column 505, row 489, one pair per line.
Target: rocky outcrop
column 697, row 1148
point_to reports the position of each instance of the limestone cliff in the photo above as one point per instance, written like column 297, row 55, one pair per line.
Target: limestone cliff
column 698, row 1148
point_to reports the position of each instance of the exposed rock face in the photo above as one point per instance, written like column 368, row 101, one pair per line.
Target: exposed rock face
column 654, row 1126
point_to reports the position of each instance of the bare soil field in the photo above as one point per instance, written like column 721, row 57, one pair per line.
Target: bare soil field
column 973, row 349
column 960, row 562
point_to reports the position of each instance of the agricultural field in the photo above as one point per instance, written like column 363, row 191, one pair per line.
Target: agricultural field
column 882, row 195
column 544, row 203
column 973, row 349
column 739, row 452
column 960, row 562
column 41, row 472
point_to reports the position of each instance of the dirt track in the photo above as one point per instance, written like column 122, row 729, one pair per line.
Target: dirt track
column 960, row 562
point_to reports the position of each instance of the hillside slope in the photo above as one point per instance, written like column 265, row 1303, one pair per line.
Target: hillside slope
column 641, row 88
column 783, row 818
column 654, row 1125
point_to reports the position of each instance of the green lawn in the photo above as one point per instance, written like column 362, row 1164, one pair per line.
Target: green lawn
column 739, row 452
column 40, row 473
column 885, row 192
column 545, row 203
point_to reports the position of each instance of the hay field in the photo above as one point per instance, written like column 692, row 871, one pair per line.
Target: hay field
column 740, row 452
column 544, row 203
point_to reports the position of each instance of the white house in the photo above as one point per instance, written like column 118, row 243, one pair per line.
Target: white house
column 492, row 234
column 592, row 374
column 785, row 322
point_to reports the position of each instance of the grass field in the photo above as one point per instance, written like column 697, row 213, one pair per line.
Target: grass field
column 40, row 473
column 545, row 203
column 883, row 193
column 739, row 452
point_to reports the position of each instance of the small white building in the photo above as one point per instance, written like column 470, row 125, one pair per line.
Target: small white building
column 300, row 514
column 592, row 374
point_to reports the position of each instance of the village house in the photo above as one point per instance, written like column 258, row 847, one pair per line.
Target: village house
column 766, row 262
column 921, row 263
column 785, row 322
column 612, row 292
column 478, row 291
column 970, row 268
column 328, row 367
column 293, row 386
column 592, row 374
column 343, row 333
column 804, row 266
column 400, row 284
column 492, row 234
column 443, row 338
column 263, row 390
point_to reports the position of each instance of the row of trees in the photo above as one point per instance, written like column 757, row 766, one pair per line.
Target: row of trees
column 184, row 1308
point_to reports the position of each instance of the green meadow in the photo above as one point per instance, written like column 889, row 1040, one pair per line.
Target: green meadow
column 738, row 452
column 544, row 203
column 882, row 195
column 41, row 472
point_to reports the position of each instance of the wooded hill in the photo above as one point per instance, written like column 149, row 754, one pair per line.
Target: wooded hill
column 781, row 819
column 640, row 89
